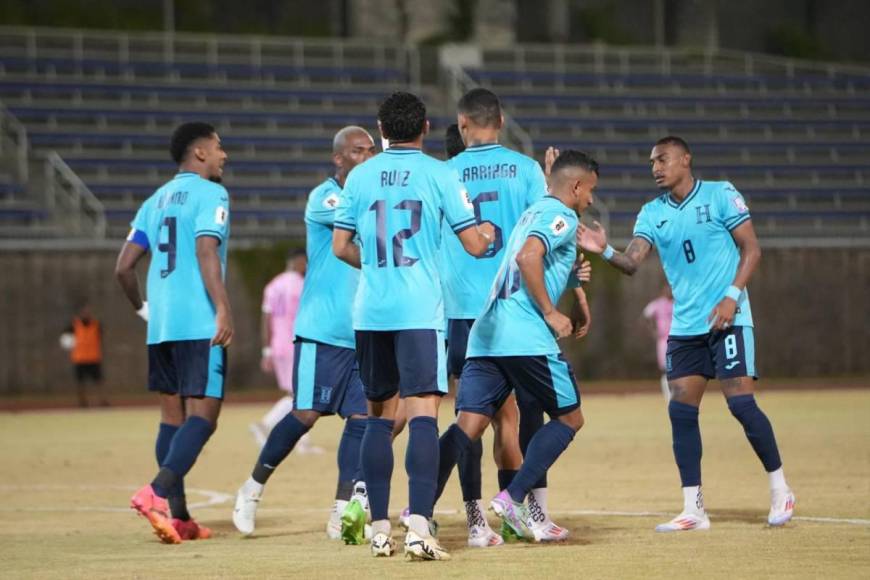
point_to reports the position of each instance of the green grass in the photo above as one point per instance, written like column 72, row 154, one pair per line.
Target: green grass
column 67, row 476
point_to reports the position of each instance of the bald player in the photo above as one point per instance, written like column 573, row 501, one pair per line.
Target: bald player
column 326, row 378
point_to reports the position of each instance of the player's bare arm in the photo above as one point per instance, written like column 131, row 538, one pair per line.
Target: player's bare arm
column 723, row 314
column 476, row 240
column 595, row 240
column 530, row 261
column 583, row 320
column 549, row 158
column 344, row 248
column 210, row 269
column 125, row 272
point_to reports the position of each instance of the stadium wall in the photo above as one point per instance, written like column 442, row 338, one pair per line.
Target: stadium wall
column 810, row 307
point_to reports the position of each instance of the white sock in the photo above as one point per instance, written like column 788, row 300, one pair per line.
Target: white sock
column 337, row 510
column 693, row 500
column 540, row 494
column 381, row 527
column 419, row 525
column 278, row 411
column 777, row 480
column 252, row 488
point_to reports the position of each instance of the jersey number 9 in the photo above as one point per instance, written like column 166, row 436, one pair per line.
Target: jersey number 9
column 168, row 247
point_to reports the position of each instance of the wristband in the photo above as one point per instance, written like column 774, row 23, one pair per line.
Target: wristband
column 267, row 352
column 608, row 252
column 143, row 312
column 733, row 293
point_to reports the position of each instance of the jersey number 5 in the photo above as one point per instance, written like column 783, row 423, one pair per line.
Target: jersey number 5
column 168, row 247
column 415, row 206
column 498, row 240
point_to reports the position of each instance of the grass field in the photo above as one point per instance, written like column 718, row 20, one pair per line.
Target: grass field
column 67, row 476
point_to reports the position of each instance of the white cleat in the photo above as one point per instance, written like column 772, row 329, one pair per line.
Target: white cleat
column 686, row 522
column 483, row 537
column 405, row 519
column 333, row 529
column 781, row 507
column 549, row 532
column 419, row 548
column 245, row 511
column 383, row 545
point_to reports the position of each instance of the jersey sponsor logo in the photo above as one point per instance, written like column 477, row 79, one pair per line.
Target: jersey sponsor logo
column 740, row 204
column 220, row 215
column 331, row 201
column 559, row 226
column 659, row 225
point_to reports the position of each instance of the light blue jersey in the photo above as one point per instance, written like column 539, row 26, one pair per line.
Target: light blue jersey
column 395, row 202
column 502, row 184
column 511, row 323
column 325, row 308
column 699, row 255
column 168, row 224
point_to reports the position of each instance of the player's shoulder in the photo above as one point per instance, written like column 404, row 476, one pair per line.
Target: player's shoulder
column 325, row 193
column 208, row 187
column 717, row 187
column 549, row 208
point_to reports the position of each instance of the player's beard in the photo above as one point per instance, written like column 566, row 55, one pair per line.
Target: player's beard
column 215, row 179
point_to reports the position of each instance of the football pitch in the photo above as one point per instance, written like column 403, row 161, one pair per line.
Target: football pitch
column 67, row 477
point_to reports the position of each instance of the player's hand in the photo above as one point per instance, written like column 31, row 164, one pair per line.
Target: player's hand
column 584, row 272
column 487, row 230
column 581, row 330
column 723, row 314
column 266, row 364
column 559, row 324
column 592, row 239
column 224, row 334
column 550, row 158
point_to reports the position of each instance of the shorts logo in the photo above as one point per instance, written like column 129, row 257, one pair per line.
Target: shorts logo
column 331, row 202
column 325, row 395
column 731, row 365
column 220, row 215
column 740, row 204
column 668, row 365
column 558, row 226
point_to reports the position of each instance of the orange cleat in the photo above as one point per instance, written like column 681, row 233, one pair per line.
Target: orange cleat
column 190, row 529
column 156, row 510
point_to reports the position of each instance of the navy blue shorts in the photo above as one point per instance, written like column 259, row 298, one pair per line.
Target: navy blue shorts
column 189, row 368
column 408, row 362
column 457, row 343
column 326, row 379
column 488, row 381
column 723, row 354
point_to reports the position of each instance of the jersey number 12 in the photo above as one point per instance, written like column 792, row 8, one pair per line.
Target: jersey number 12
column 415, row 206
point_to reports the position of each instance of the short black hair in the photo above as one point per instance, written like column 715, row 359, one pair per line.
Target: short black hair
column 676, row 141
column 574, row 158
column 402, row 116
column 453, row 144
column 481, row 106
column 185, row 135
column 295, row 252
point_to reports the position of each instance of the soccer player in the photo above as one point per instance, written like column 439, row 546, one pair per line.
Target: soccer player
column 326, row 376
column 659, row 313
column 280, row 306
column 395, row 205
column 539, row 257
column 185, row 225
column 704, row 236
column 501, row 184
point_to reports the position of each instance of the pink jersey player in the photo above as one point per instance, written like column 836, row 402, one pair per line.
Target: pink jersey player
column 660, row 311
column 280, row 304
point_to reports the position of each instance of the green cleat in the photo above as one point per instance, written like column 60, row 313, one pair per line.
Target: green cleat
column 353, row 523
column 508, row 534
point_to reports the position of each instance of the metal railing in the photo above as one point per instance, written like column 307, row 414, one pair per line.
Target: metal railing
column 13, row 134
column 70, row 202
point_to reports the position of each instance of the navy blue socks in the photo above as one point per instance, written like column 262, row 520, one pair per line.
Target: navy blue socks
column 421, row 463
column 177, row 500
column 687, row 442
column 469, row 472
column 187, row 443
column 531, row 420
column 278, row 446
column 544, row 448
column 348, row 456
column 451, row 447
column 757, row 428
column 377, row 463
column 505, row 477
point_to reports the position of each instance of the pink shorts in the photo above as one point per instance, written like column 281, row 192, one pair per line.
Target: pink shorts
column 661, row 351
column 283, row 364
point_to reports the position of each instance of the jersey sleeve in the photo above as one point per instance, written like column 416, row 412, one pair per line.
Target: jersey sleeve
column 345, row 212
column 322, row 206
column 266, row 307
column 554, row 229
column 733, row 210
column 456, row 202
column 139, row 229
column 213, row 215
column 643, row 227
column 537, row 183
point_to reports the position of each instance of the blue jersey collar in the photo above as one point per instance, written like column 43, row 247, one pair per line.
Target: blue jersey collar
column 185, row 174
column 672, row 202
column 484, row 147
column 403, row 150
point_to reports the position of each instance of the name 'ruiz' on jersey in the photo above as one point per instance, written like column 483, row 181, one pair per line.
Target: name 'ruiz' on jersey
column 698, row 253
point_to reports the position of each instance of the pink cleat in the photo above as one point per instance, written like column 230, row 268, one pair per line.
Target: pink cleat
column 190, row 529
column 156, row 510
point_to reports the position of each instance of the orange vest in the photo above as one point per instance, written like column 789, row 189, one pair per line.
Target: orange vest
column 88, row 348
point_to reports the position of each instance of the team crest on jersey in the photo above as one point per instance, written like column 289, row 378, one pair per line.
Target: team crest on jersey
column 558, row 226
column 740, row 204
column 220, row 215
column 331, row 202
